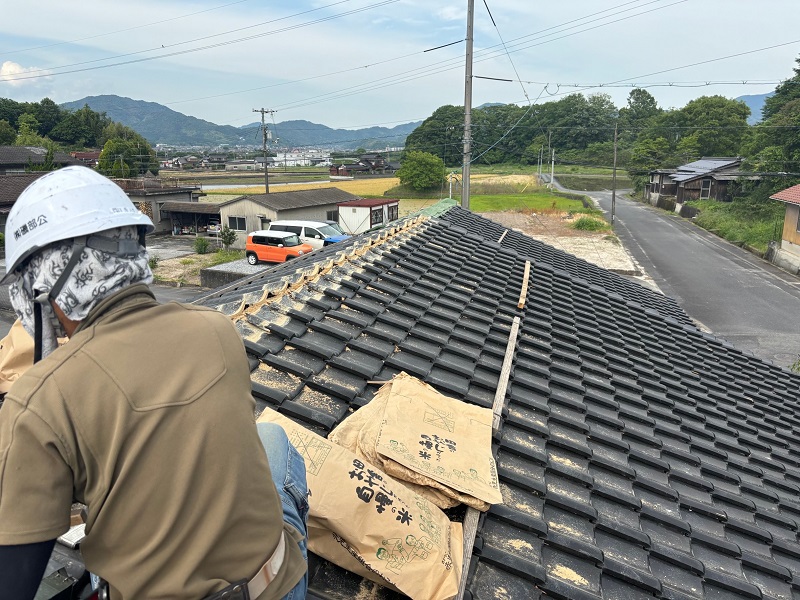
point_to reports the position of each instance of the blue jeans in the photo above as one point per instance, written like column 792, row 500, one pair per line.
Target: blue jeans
column 289, row 475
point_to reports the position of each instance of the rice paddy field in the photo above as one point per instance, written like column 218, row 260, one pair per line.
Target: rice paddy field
column 359, row 187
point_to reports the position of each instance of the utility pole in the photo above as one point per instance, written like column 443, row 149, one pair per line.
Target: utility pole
column 541, row 158
column 553, row 169
column 614, row 179
column 468, row 107
column 264, row 133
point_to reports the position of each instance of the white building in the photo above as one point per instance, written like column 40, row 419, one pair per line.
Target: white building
column 303, row 158
column 357, row 216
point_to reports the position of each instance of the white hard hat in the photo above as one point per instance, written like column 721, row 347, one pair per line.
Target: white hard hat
column 71, row 202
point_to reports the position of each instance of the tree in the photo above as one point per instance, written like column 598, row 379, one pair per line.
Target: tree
column 722, row 124
column 227, row 236
column 7, row 133
column 785, row 92
column 440, row 134
column 127, row 154
column 641, row 107
column 27, row 127
column 647, row 155
column 48, row 114
column 421, row 171
column 83, row 128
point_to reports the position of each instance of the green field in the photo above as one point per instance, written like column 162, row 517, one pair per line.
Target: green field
column 593, row 183
column 539, row 201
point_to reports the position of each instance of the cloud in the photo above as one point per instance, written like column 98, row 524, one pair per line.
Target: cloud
column 451, row 13
column 9, row 70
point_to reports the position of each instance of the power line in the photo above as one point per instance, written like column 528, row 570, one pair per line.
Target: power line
column 99, row 35
column 447, row 65
column 49, row 73
column 413, row 74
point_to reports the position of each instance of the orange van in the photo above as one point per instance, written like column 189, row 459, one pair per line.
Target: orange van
column 274, row 246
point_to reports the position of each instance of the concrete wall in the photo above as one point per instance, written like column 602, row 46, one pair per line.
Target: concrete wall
column 787, row 258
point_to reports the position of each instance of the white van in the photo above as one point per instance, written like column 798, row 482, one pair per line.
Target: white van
column 314, row 233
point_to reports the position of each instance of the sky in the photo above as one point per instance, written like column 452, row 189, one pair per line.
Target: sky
column 359, row 63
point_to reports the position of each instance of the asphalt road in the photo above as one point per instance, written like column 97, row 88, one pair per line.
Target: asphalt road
column 731, row 292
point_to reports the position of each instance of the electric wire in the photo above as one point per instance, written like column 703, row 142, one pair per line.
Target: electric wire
column 99, row 35
column 446, row 65
column 50, row 72
column 453, row 62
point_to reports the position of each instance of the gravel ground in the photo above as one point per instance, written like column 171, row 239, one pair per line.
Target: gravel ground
column 555, row 229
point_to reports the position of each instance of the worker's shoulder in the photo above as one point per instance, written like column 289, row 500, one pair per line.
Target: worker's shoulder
column 183, row 316
column 194, row 311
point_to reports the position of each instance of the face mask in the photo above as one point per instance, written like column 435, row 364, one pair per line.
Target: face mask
column 96, row 275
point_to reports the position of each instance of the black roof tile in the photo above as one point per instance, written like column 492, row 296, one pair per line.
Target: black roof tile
column 637, row 456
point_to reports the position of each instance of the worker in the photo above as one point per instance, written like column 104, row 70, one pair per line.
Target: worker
column 144, row 415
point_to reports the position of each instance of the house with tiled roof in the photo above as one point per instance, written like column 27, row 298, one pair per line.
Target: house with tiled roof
column 19, row 159
column 787, row 254
column 255, row 211
column 710, row 178
column 638, row 456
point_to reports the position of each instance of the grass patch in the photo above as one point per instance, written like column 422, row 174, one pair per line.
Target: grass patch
column 593, row 183
column 404, row 191
column 224, row 256
column 742, row 221
column 540, row 201
column 587, row 223
column 582, row 170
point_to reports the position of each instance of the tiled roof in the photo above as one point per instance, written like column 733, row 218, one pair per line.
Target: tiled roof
column 638, row 456
column 700, row 168
column 20, row 155
column 11, row 186
column 199, row 208
column 790, row 195
column 707, row 164
column 298, row 199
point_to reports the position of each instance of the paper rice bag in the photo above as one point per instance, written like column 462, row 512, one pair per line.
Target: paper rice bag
column 444, row 439
column 438, row 446
column 396, row 535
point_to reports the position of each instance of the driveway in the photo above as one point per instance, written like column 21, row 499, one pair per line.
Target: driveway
column 733, row 293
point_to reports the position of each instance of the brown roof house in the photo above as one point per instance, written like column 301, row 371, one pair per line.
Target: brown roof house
column 786, row 254
column 255, row 211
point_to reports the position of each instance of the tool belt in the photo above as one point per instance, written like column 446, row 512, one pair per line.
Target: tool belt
column 250, row 590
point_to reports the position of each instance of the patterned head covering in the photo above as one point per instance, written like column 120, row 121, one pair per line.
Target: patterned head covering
column 96, row 275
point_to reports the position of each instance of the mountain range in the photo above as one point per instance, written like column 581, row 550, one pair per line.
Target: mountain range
column 756, row 103
column 161, row 125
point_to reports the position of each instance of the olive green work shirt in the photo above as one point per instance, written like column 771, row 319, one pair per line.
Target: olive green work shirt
column 146, row 416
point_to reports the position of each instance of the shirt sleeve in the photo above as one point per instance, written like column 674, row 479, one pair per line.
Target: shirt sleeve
column 35, row 480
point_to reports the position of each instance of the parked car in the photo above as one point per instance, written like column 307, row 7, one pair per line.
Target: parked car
column 214, row 227
column 314, row 233
column 274, row 246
